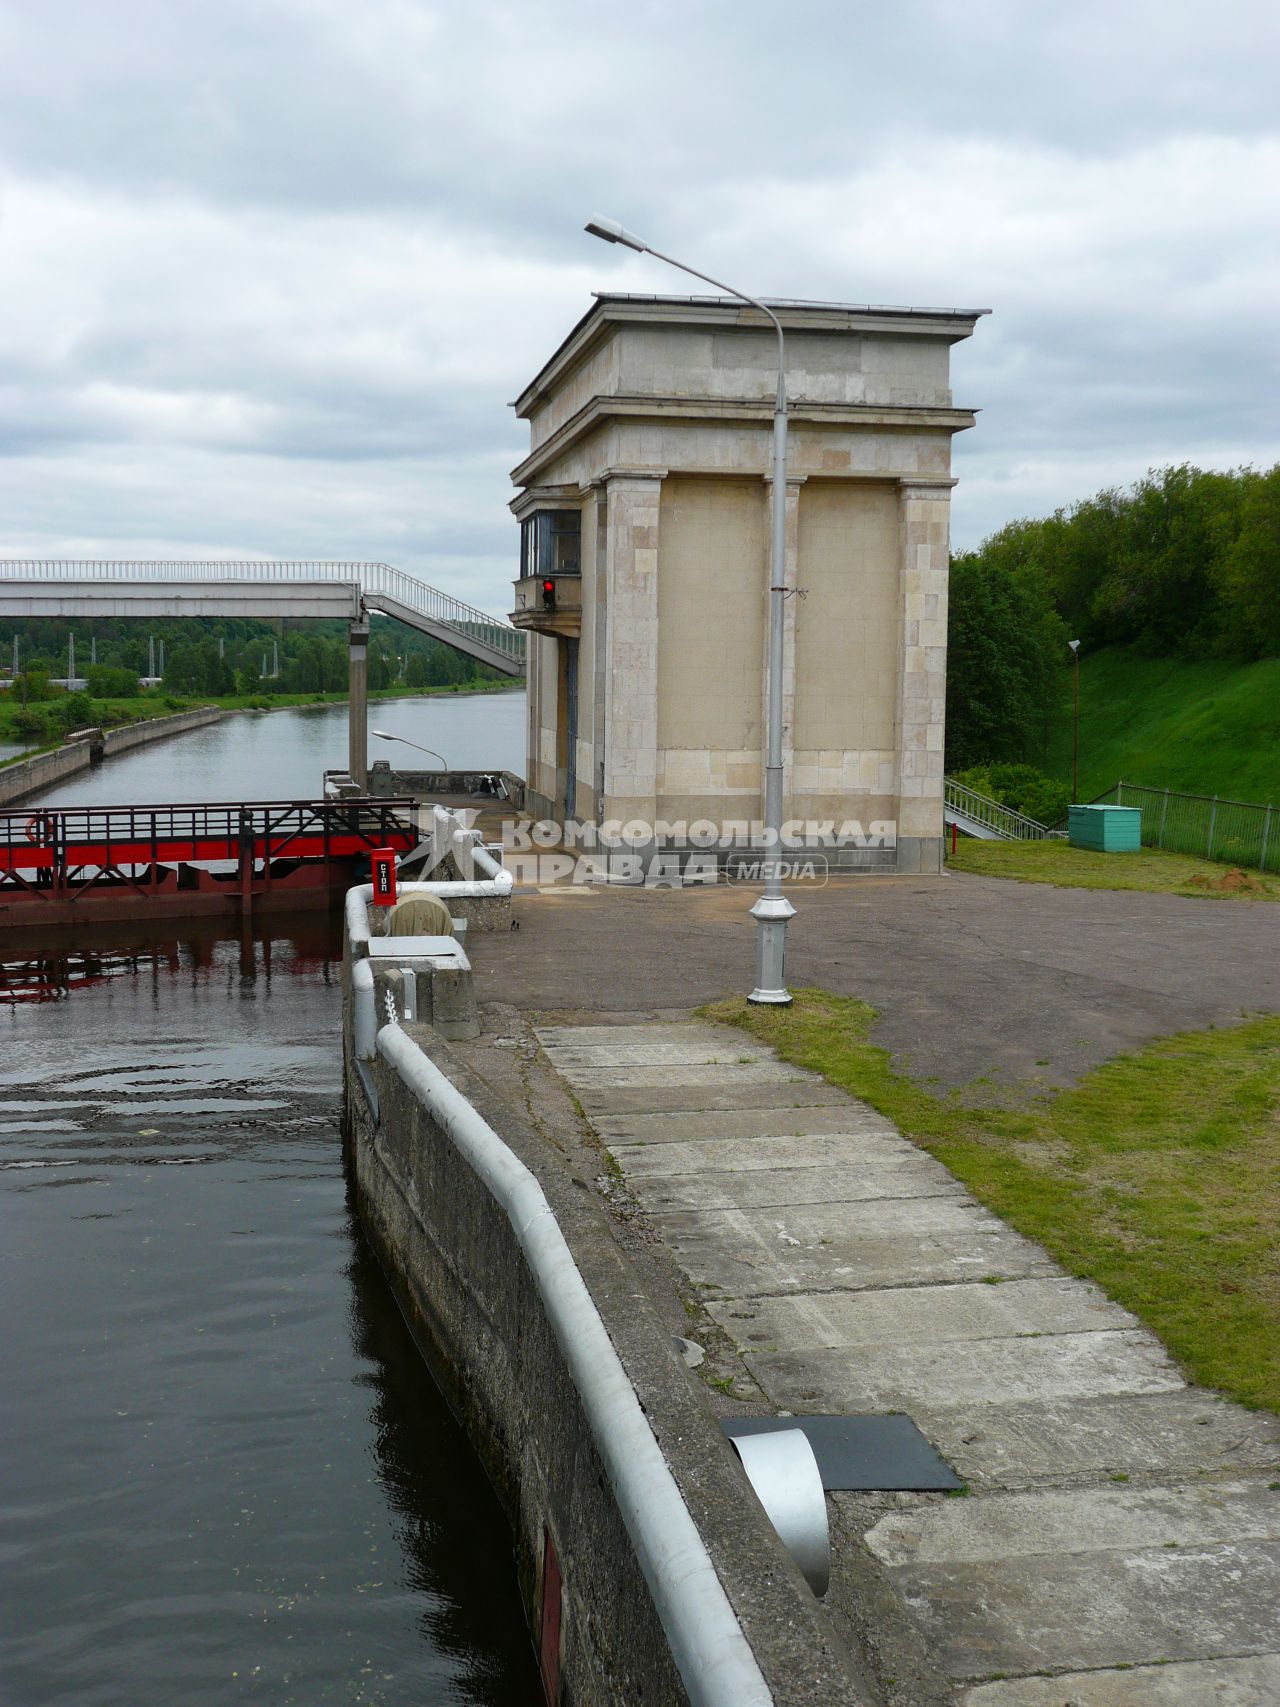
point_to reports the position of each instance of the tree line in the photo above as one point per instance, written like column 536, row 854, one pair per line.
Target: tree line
column 203, row 657
column 1186, row 562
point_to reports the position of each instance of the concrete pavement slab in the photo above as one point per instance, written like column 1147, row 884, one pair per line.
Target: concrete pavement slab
column 1096, row 1609
column 924, row 1315
column 846, row 1247
column 673, row 1099
column 735, row 1074
column 1252, row 1682
column 986, row 1372
column 848, row 1270
column 770, row 1118
column 1180, row 1433
column 1009, row 1526
column 782, row 1187
column 747, row 1155
column 656, row 1054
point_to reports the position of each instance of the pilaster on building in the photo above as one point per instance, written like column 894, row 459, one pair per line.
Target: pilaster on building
column 644, row 510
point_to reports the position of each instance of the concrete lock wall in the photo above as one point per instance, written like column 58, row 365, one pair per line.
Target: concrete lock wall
column 32, row 776
column 131, row 735
column 457, row 1265
column 483, row 1321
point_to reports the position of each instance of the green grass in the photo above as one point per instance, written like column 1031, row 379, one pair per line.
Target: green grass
column 1201, row 727
column 1158, row 1175
column 1078, row 868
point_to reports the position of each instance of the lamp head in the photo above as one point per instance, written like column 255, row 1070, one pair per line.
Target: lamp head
column 612, row 232
column 383, row 736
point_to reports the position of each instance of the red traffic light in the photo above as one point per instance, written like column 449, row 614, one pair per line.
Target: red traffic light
column 549, row 593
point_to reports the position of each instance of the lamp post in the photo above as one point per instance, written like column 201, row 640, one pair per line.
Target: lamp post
column 772, row 910
column 382, row 735
column 1075, row 727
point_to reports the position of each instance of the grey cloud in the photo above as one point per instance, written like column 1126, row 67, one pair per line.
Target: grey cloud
column 270, row 270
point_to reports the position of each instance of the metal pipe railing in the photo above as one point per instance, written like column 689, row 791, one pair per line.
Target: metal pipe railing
column 373, row 577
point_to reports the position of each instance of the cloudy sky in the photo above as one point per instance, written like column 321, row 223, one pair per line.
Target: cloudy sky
column 271, row 270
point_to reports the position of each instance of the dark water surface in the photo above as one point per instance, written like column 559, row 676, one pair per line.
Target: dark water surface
column 226, row 1475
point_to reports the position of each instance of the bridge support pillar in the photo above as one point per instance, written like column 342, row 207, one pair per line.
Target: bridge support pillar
column 358, row 702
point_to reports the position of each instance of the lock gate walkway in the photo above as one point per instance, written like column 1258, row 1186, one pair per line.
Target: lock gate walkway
column 89, row 863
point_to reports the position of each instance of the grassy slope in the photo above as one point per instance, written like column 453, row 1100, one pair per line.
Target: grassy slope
column 1158, row 1175
column 1206, row 728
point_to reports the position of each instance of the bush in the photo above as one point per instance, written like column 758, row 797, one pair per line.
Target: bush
column 30, row 725
column 73, row 711
column 1021, row 787
column 108, row 681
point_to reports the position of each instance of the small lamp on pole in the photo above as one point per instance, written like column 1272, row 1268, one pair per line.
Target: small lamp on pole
column 381, row 735
column 773, row 909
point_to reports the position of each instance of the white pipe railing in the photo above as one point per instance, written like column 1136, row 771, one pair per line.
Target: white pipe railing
column 1002, row 821
column 710, row 1651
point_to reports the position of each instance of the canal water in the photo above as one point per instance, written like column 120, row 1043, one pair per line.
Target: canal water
column 227, row 1475
column 283, row 755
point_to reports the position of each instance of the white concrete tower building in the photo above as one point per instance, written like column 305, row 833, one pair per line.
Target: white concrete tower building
column 645, row 499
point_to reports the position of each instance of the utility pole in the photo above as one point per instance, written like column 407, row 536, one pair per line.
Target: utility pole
column 71, row 659
column 1075, row 727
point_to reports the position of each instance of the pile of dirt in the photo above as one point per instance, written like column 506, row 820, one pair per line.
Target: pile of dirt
column 1233, row 882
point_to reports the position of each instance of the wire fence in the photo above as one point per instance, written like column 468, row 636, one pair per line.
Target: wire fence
column 1237, row 832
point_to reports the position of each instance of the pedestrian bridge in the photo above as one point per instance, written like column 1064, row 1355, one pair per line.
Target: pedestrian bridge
column 68, row 587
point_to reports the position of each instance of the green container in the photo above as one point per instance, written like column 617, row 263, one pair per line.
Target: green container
column 1105, row 829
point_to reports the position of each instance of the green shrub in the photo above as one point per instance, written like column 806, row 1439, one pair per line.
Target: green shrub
column 30, row 725
column 1021, row 787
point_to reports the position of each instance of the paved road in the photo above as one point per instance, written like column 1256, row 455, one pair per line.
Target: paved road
column 970, row 975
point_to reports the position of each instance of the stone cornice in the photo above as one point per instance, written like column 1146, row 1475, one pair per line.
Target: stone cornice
column 610, row 311
column 746, row 410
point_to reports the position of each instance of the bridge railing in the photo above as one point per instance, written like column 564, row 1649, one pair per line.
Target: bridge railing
column 375, row 578
column 1002, row 821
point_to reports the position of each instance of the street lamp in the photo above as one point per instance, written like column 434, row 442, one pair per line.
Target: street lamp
column 382, row 735
column 1075, row 727
column 772, row 910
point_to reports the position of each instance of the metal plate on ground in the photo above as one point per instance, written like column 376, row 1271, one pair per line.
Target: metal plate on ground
column 885, row 1453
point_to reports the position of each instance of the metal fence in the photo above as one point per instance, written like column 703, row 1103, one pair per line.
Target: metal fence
column 1237, row 832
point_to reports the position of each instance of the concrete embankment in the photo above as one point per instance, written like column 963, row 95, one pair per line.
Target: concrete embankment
column 32, row 776
column 649, row 1571
column 130, row 735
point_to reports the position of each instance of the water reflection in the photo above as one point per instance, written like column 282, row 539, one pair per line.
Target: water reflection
column 228, row 1475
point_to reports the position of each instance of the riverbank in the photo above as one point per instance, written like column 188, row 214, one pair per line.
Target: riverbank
column 146, row 707
column 26, row 777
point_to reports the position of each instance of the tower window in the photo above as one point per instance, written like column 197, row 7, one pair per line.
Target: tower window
column 551, row 543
